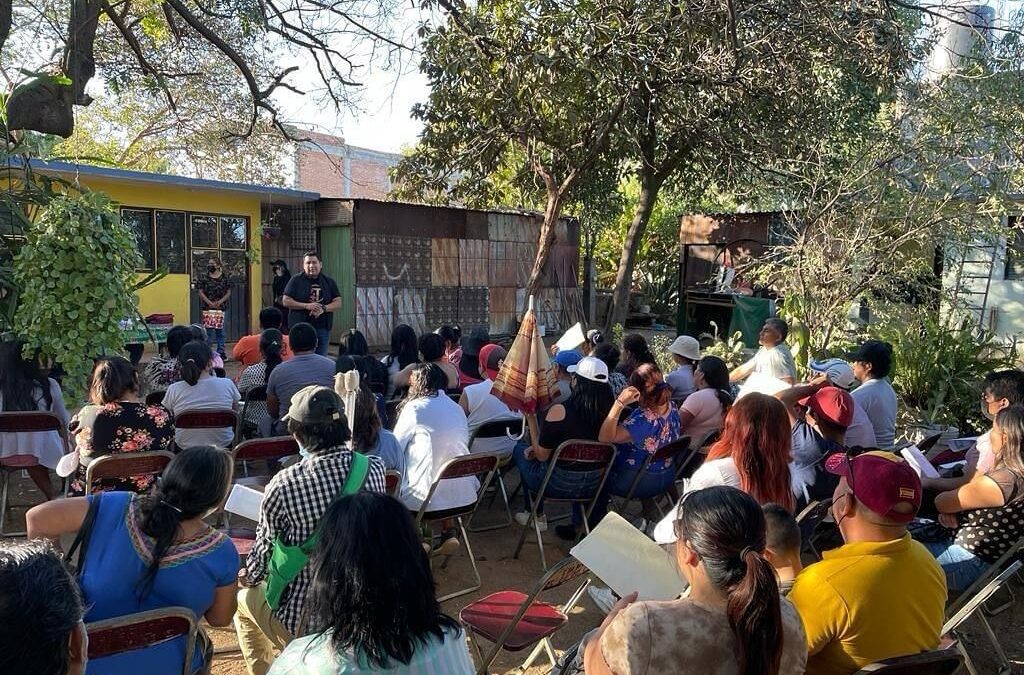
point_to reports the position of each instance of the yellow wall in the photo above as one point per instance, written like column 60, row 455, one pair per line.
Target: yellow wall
column 171, row 294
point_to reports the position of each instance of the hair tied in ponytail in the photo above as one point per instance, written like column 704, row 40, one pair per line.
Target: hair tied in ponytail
column 747, row 550
column 168, row 504
column 190, row 360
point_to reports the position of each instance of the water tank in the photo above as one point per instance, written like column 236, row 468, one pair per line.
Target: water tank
column 962, row 29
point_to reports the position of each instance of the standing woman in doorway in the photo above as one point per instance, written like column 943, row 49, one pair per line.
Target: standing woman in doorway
column 282, row 275
column 214, row 291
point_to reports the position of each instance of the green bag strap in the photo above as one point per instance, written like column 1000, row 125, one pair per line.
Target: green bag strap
column 358, row 470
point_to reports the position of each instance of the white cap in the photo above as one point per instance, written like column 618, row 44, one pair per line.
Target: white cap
column 687, row 347
column 837, row 371
column 590, row 368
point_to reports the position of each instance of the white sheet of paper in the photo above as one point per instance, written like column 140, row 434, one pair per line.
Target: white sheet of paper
column 627, row 560
column 919, row 462
column 572, row 338
column 762, row 384
column 244, row 501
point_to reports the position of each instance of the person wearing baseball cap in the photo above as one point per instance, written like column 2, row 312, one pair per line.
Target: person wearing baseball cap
column 860, row 433
column 871, row 364
column 294, row 501
column 481, row 406
column 685, row 352
column 881, row 594
column 819, row 414
column 564, row 360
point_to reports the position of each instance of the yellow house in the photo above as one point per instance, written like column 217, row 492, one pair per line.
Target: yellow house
column 179, row 223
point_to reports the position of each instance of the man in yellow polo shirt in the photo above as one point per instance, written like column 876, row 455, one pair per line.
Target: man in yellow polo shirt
column 881, row 594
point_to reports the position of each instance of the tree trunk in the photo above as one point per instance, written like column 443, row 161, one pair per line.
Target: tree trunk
column 649, row 187
column 552, row 211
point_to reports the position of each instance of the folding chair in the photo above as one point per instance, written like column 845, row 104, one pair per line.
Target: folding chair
column 808, row 520
column 509, row 428
column 513, row 621
column 255, row 394
column 126, row 465
column 572, row 455
column 208, row 419
column 144, row 629
column 677, row 449
column 970, row 607
column 710, row 438
column 460, row 467
column 937, row 662
column 275, row 447
column 28, row 422
column 155, row 397
column 392, row 482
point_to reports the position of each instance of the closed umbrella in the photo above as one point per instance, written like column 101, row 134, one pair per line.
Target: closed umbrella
column 526, row 381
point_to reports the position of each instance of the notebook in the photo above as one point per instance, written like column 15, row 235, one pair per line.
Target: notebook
column 627, row 560
column 916, row 459
column 244, row 501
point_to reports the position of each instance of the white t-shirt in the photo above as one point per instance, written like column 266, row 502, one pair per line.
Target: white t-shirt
column 706, row 409
column 432, row 430
column 485, row 407
column 860, row 432
column 710, row 474
column 981, row 453
column 209, row 393
column 878, row 400
column 774, row 362
column 47, row 448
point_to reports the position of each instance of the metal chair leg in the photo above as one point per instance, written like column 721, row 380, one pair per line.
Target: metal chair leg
column 1003, row 660
column 4, row 504
column 540, row 542
column 472, row 562
column 508, row 511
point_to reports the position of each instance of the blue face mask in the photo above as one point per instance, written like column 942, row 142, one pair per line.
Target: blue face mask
column 304, row 452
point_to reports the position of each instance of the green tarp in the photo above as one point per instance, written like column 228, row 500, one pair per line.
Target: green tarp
column 748, row 316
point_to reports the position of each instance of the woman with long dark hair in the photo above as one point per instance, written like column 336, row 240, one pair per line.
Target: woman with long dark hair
column 115, row 421
column 282, row 275
column 704, row 410
column 372, row 608
column 404, row 352
column 609, row 353
column 200, row 390
column 733, row 621
column 451, row 336
column 986, row 515
column 635, row 352
column 24, row 388
column 153, row 551
column 370, row 437
column 257, row 419
column 580, row 417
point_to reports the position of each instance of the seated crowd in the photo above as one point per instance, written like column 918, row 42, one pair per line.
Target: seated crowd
column 338, row 578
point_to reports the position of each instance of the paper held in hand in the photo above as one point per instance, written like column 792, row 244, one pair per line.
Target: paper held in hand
column 627, row 560
column 916, row 459
column 572, row 338
column 244, row 501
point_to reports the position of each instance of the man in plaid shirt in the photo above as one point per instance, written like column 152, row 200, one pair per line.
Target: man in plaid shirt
column 293, row 503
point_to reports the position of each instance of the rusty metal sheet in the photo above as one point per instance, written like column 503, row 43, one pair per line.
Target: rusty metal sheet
column 474, row 255
column 410, row 308
column 442, row 307
column 502, row 309
column 444, row 262
column 392, row 260
column 473, row 307
column 375, row 313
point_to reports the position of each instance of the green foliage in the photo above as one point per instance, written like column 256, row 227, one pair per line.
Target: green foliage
column 939, row 364
column 731, row 350
column 76, row 274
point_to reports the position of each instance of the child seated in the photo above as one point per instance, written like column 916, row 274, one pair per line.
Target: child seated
column 782, row 545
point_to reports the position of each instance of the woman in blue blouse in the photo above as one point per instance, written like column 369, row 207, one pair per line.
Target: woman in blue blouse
column 654, row 422
column 154, row 551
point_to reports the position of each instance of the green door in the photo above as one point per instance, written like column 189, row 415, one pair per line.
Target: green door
column 336, row 249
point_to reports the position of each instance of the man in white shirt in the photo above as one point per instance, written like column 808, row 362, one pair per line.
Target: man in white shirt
column 871, row 365
column 773, row 359
column 481, row 406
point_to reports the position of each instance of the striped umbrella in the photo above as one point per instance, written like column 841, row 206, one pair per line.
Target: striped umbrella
column 526, row 381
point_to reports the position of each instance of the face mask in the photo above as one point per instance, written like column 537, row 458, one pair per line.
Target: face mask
column 304, row 452
column 985, row 411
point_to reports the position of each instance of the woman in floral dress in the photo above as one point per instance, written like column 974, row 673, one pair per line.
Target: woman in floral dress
column 116, row 421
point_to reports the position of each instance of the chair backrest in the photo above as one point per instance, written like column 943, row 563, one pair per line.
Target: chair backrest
column 498, row 429
column 566, row 570
column 980, row 597
column 392, row 481
column 462, row 467
column 256, row 394
column 145, row 629
column 155, row 397
column 938, row 662
column 275, row 447
column 453, row 394
column 34, row 422
column 581, row 451
column 670, row 450
column 127, row 465
column 709, row 438
column 206, row 419
column 1013, row 553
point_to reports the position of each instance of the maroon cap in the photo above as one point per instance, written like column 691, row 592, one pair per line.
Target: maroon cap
column 491, row 357
column 831, row 404
column 881, row 480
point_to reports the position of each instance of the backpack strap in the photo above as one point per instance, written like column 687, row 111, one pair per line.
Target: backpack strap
column 358, row 470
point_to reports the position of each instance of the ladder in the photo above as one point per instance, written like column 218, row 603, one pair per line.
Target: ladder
column 974, row 278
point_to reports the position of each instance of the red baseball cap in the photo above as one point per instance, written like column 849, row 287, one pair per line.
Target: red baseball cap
column 880, row 481
column 491, row 357
column 831, row 404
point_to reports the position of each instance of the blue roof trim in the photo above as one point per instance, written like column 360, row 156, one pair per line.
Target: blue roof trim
column 168, row 179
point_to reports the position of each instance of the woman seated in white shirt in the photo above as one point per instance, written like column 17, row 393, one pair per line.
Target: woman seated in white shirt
column 481, row 406
column 432, row 429
column 199, row 390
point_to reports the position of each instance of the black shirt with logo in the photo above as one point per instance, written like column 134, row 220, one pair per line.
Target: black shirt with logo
column 321, row 289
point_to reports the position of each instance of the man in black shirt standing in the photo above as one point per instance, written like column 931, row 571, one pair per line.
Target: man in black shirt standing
column 311, row 297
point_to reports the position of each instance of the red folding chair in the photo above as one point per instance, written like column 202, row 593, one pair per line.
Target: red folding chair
column 126, row 465
column 267, row 449
column 460, row 467
column 511, row 429
column 207, row 419
column 572, row 455
column 936, row 662
column 513, row 620
column 392, row 482
column 145, row 629
column 28, row 422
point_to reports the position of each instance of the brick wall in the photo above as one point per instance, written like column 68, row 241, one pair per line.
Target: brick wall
column 326, row 164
